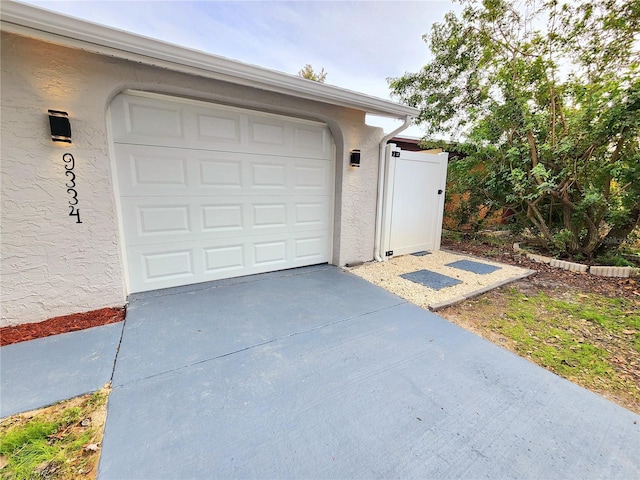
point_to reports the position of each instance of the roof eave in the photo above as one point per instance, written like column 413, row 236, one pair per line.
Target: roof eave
column 60, row 29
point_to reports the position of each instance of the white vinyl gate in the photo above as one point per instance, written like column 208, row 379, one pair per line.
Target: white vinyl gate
column 414, row 201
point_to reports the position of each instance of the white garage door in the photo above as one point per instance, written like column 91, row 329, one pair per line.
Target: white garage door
column 209, row 192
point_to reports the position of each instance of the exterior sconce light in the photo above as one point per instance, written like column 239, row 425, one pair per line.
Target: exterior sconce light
column 355, row 158
column 60, row 126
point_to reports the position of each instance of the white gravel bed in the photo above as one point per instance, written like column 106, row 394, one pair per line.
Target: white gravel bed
column 387, row 275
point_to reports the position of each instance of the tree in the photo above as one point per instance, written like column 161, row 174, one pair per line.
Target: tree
column 546, row 96
column 308, row 73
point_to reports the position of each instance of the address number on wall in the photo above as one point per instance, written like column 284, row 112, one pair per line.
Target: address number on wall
column 70, row 163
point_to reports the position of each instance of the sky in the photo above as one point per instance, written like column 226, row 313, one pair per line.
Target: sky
column 359, row 43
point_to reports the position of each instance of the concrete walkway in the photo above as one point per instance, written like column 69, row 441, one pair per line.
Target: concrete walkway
column 42, row 372
column 315, row 373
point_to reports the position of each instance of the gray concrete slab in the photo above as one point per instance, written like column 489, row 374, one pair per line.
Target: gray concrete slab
column 433, row 280
column 385, row 390
column 183, row 327
column 474, row 267
column 41, row 372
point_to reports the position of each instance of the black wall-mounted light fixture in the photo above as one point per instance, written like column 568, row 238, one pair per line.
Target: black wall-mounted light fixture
column 354, row 161
column 60, row 126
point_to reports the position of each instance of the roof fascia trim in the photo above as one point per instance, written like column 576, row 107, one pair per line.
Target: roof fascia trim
column 49, row 26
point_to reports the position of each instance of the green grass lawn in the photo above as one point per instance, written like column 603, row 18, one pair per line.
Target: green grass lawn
column 590, row 339
column 58, row 442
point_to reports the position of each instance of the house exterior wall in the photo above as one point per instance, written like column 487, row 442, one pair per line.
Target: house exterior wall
column 52, row 265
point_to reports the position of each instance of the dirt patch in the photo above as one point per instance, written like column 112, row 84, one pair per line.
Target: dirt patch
column 57, row 325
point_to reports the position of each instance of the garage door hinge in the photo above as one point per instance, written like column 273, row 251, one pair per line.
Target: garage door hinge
column 389, row 253
column 395, row 154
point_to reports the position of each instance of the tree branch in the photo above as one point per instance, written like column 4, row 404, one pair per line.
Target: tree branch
column 534, row 153
column 612, row 160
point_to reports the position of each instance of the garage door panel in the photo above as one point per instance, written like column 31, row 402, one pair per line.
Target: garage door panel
column 152, row 169
column 224, row 259
column 207, row 260
column 149, row 220
column 146, row 121
column 155, row 121
column 168, row 264
column 270, row 252
column 225, row 174
column 268, row 174
column 225, row 217
column 311, row 177
column 151, row 121
column 311, row 213
column 159, row 171
column 269, row 215
column 266, row 133
column 158, row 220
column 223, row 127
column 163, row 219
column 310, row 139
column 310, row 247
column 226, row 192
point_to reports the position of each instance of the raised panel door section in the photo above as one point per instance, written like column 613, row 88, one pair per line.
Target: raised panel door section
column 267, row 133
column 226, row 192
column 311, row 176
column 167, row 264
column 309, row 138
column 225, row 174
column 267, row 215
column 267, row 174
column 223, row 217
column 218, row 127
column 158, row 219
column 311, row 213
column 150, row 119
column 224, row 259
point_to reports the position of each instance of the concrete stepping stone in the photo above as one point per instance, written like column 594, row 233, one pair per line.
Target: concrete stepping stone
column 433, row 280
column 473, row 267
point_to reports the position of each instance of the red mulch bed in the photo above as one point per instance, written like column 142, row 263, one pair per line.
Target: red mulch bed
column 54, row 326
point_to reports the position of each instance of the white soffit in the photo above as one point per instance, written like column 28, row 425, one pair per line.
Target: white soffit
column 68, row 31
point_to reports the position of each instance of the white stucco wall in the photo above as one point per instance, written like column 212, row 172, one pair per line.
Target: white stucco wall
column 53, row 266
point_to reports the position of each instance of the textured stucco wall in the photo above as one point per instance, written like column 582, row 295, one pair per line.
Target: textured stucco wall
column 53, row 266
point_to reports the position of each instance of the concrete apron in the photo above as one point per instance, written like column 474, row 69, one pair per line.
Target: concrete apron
column 315, row 373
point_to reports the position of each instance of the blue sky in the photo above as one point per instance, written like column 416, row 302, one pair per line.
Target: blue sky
column 359, row 43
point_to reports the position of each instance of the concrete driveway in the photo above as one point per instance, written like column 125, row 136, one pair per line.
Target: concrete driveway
column 314, row 373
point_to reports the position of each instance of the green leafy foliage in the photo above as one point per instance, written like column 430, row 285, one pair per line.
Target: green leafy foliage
column 546, row 97
column 310, row 74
